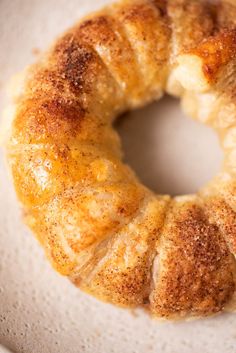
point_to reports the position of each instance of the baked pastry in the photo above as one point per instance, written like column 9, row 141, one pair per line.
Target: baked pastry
column 98, row 224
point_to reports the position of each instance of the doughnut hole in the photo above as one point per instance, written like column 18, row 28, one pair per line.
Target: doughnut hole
column 170, row 153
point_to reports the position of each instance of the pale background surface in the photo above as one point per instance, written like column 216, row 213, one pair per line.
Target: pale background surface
column 40, row 311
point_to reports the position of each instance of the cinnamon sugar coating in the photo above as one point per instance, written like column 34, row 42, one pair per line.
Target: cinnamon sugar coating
column 114, row 238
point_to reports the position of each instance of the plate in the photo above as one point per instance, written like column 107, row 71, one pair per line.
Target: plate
column 42, row 312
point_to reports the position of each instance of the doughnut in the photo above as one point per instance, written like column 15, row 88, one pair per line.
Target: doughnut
column 99, row 226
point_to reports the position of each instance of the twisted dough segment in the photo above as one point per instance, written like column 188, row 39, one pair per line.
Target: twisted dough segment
column 193, row 260
column 98, row 225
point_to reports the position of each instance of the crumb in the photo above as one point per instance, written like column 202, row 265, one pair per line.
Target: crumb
column 134, row 312
column 150, row 347
column 97, row 332
column 35, row 51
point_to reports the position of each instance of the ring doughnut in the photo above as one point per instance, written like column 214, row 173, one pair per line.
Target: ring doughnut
column 113, row 237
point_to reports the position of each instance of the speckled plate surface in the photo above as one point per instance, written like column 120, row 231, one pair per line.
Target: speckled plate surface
column 42, row 312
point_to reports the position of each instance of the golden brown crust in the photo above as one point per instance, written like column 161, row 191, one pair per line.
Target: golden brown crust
column 220, row 213
column 226, row 14
column 146, row 26
column 124, row 274
column 216, row 52
column 195, row 266
column 192, row 21
column 98, row 225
